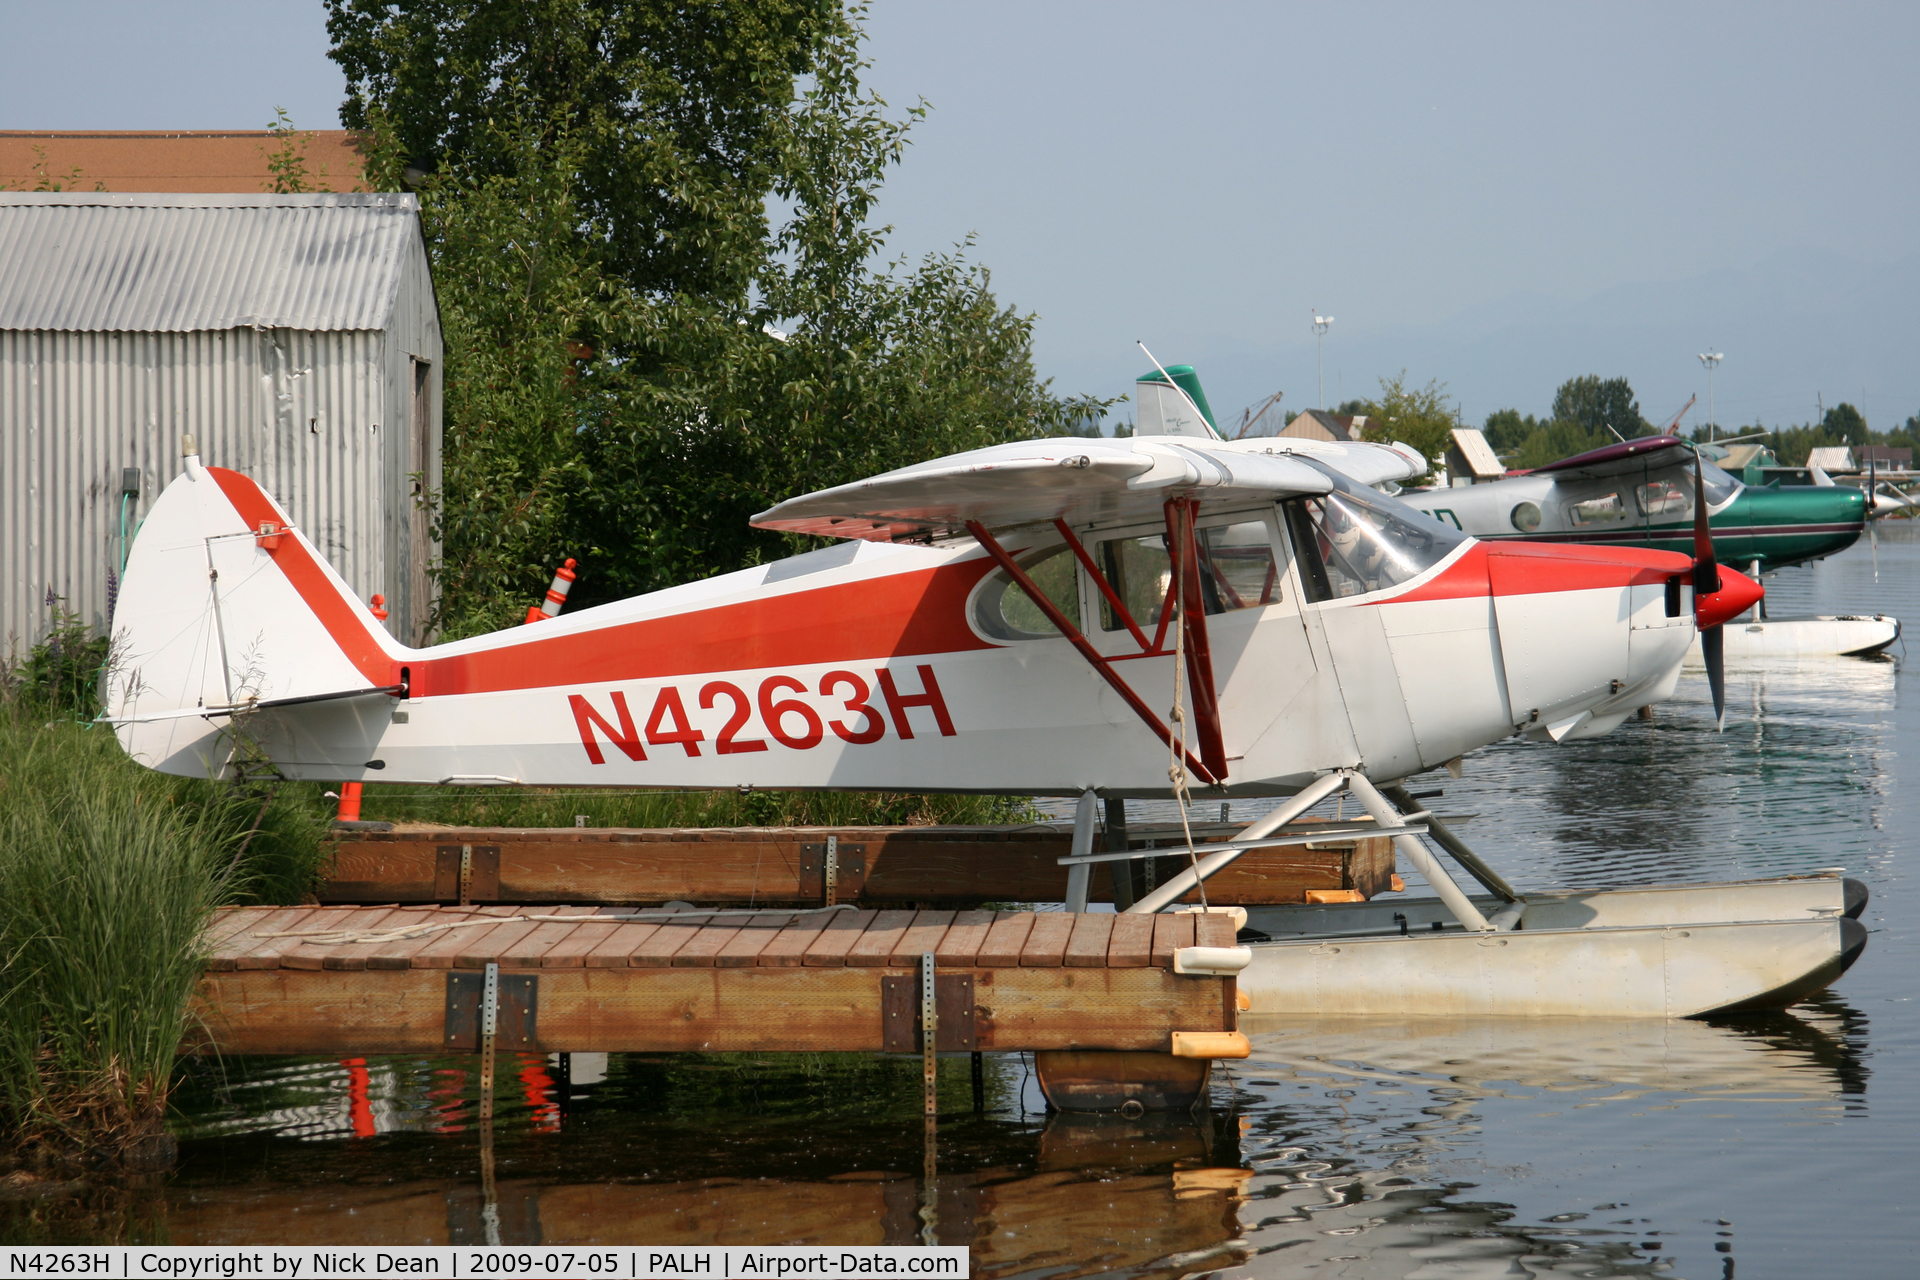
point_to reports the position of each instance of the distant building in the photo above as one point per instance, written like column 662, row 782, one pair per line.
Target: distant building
column 175, row 160
column 1835, row 460
column 1885, row 457
column 295, row 337
column 1470, row 459
column 1318, row 424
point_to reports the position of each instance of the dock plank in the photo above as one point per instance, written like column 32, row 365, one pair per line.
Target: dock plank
column 742, row 951
column 398, row 953
column 702, row 950
column 922, row 936
column 788, row 948
column 829, row 949
column 238, row 945
column 658, row 949
column 631, row 935
column 354, row 955
column 1131, row 944
column 1213, row 931
column 1087, row 944
column 964, row 938
column 875, row 947
column 1170, row 933
column 570, row 952
column 304, row 954
column 1047, row 944
column 441, row 949
column 531, row 951
column 1004, row 940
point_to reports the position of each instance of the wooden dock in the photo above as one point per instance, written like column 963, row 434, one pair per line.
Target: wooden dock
column 944, row 867
column 579, row 978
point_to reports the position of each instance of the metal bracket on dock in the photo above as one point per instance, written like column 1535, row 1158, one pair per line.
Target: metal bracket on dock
column 902, row 1014
column 836, row 870
column 930, row 1080
column 465, row 873
column 515, row 1010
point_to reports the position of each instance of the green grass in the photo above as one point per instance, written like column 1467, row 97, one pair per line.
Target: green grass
column 107, row 875
column 558, row 807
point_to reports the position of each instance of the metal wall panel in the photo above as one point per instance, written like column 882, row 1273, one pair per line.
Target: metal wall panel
column 302, row 413
column 319, row 412
column 87, row 261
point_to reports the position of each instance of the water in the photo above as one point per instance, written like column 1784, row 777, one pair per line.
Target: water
column 1777, row 1146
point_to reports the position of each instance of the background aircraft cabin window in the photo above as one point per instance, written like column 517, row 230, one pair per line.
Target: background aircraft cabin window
column 1606, row 508
column 1005, row 612
column 1663, row 498
column 1354, row 540
column 1237, row 571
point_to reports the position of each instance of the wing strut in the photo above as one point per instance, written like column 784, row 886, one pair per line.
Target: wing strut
column 1184, row 549
column 1093, row 656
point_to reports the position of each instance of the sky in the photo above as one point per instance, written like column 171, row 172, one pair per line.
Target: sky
column 1496, row 196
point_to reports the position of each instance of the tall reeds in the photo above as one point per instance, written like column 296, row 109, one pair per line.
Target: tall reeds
column 108, row 873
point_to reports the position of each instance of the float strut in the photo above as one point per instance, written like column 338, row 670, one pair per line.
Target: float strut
column 1467, row 858
column 979, row 1083
column 1410, row 847
column 1079, row 875
column 1121, row 872
column 1182, row 883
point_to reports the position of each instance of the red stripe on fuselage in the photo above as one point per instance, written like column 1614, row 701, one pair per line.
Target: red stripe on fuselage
column 894, row 615
column 1535, row 568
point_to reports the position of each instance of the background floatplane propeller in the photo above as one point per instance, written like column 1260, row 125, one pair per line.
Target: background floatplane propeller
column 1715, row 599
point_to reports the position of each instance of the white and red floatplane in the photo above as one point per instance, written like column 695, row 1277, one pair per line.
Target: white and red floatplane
column 1009, row 620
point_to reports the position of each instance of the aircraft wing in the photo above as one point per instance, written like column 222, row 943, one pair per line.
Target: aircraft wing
column 1074, row 478
column 1632, row 456
column 1361, row 461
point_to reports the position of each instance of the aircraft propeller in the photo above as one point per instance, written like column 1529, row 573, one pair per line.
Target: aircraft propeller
column 1716, row 597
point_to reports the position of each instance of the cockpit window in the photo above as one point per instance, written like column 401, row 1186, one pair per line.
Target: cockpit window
column 1355, row 540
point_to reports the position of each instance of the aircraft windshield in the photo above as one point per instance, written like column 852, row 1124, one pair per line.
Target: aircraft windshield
column 1720, row 485
column 1355, row 540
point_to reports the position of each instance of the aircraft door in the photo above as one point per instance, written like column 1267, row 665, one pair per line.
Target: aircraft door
column 1261, row 657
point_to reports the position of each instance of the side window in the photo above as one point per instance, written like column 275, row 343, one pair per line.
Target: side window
column 1607, row 508
column 1236, row 567
column 1237, row 571
column 1139, row 570
column 1664, row 498
column 1004, row 611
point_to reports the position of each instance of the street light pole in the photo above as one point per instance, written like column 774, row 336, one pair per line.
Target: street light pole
column 1710, row 358
column 1320, row 324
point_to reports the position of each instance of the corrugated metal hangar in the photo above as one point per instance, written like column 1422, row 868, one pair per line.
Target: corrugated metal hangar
column 295, row 337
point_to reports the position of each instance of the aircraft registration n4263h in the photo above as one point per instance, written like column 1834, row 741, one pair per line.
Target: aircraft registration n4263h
column 1016, row 619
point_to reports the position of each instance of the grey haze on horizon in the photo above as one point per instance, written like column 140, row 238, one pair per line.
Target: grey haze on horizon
column 1501, row 196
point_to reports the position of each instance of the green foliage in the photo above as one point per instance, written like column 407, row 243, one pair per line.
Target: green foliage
column 287, row 163
column 110, row 873
column 1419, row 416
column 1553, row 441
column 677, row 109
column 60, row 674
column 610, row 398
column 1846, row 424
column 1595, row 404
column 1506, row 431
column 557, row 807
